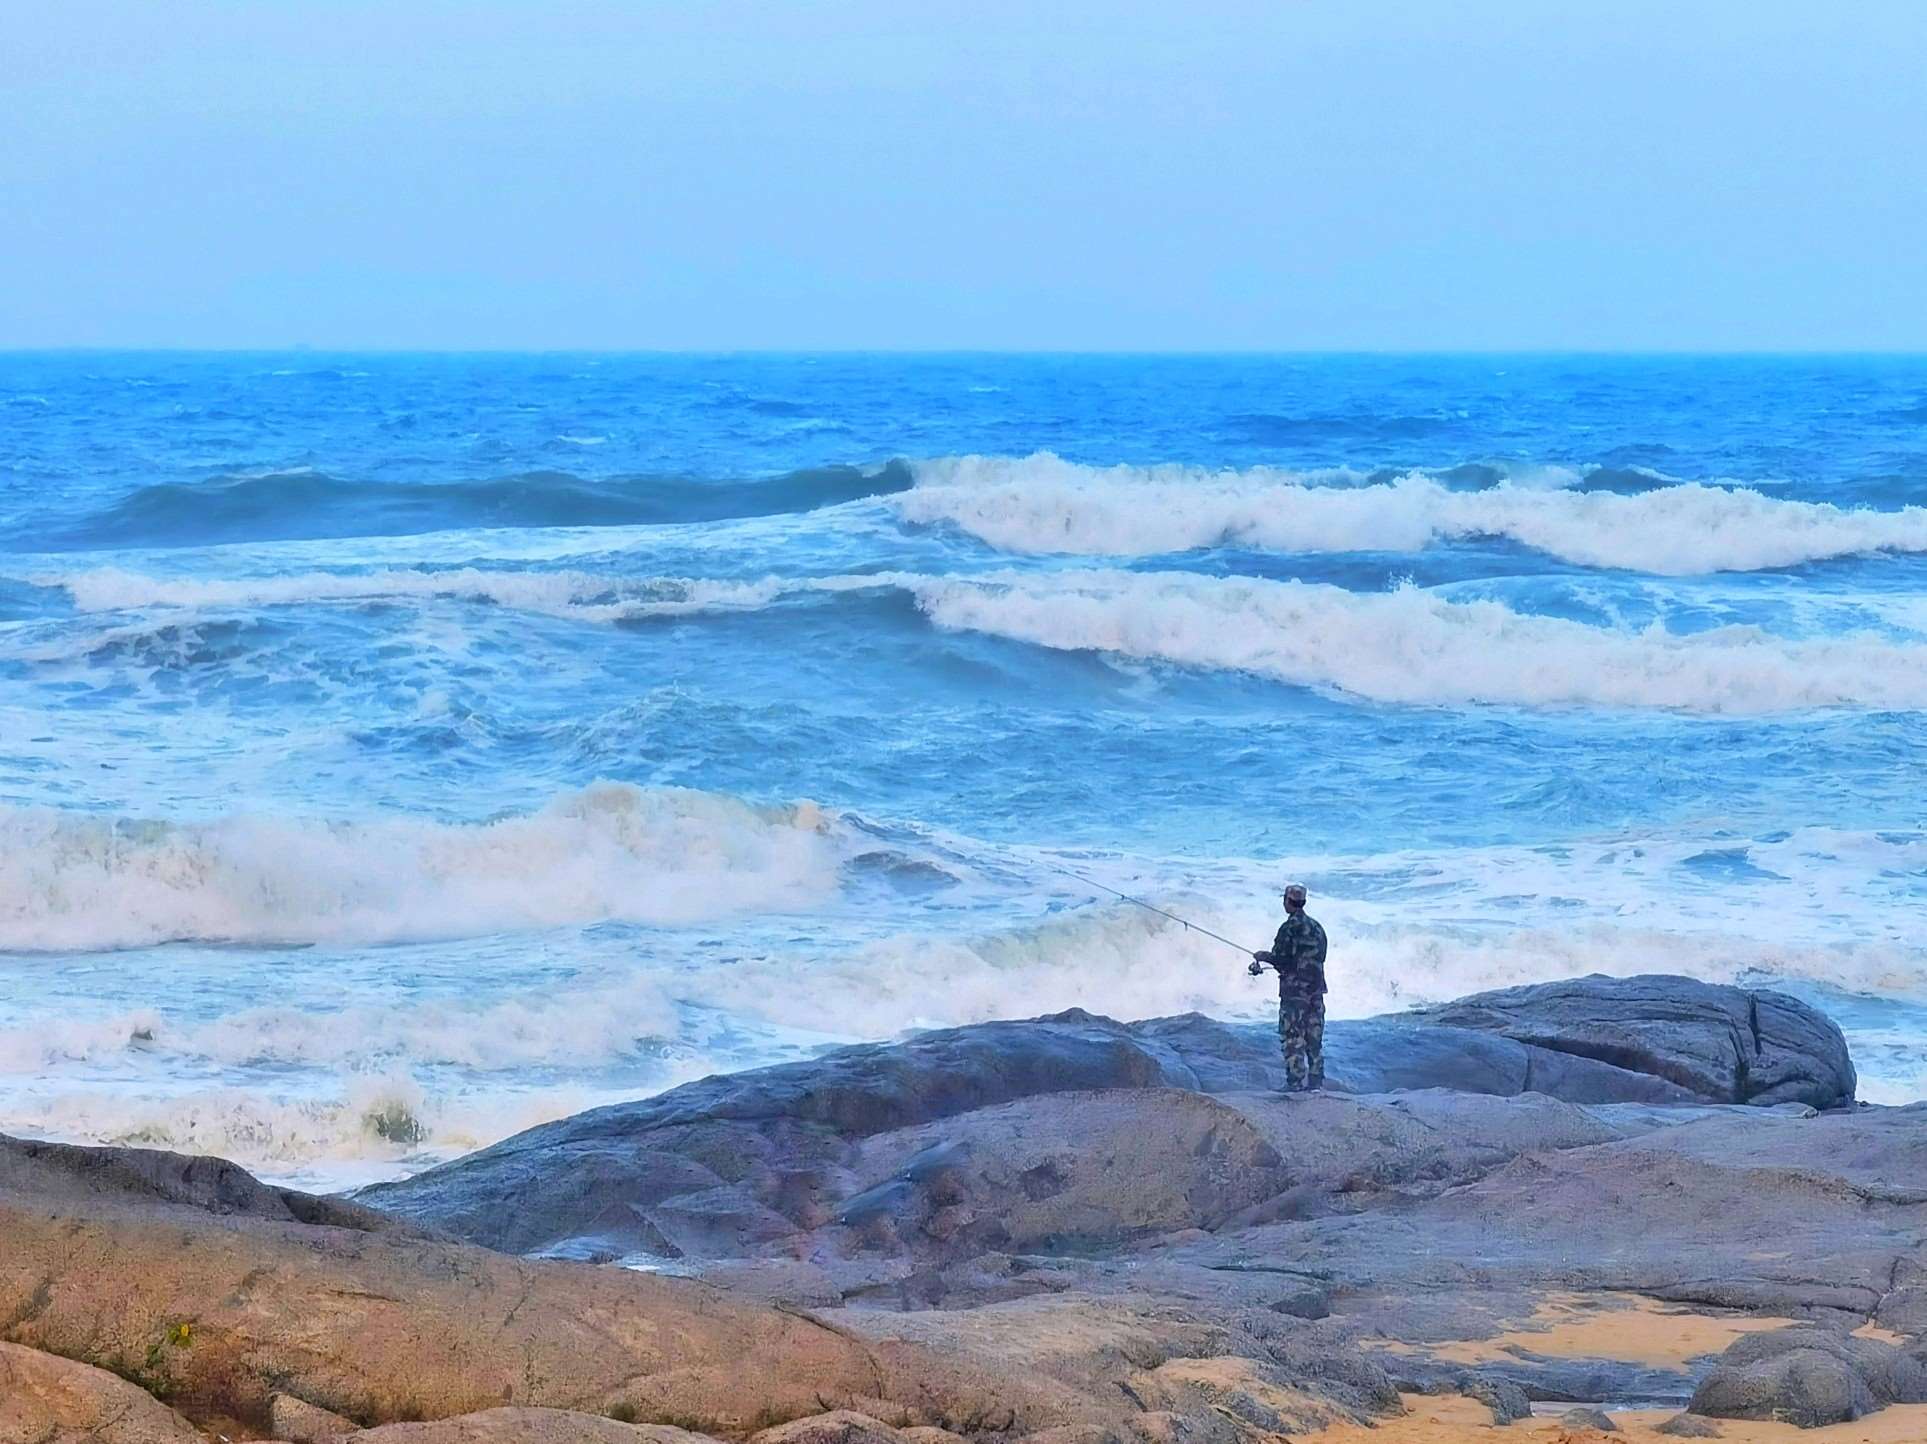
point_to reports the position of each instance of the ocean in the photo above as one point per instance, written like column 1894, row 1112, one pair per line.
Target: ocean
column 400, row 750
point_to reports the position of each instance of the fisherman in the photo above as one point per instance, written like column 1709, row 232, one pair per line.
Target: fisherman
column 1298, row 954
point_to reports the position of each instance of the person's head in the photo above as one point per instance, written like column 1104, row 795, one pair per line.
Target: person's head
column 1294, row 897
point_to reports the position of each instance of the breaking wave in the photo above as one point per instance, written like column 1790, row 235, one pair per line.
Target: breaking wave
column 304, row 504
column 1409, row 645
column 669, row 856
column 376, row 1127
column 1042, row 504
column 1412, row 645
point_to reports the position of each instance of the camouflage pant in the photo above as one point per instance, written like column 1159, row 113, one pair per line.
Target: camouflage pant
column 1301, row 1038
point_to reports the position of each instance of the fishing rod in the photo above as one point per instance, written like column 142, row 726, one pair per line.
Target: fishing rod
column 1182, row 922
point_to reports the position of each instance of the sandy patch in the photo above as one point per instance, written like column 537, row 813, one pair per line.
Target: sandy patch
column 1625, row 1327
column 1452, row 1420
column 1885, row 1336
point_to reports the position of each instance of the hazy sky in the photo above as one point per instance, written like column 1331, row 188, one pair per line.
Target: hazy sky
column 1420, row 174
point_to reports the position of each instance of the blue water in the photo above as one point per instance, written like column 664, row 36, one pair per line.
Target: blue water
column 396, row 750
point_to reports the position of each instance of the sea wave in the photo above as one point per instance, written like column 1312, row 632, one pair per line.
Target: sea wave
column 1042, row 504
column 71, row 882
column 1450, row 928
column 1409, row 645
column 582, row 596
column 1412, row 646
column 300, row 503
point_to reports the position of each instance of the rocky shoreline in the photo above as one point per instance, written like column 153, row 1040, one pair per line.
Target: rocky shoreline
column 1646, row 1193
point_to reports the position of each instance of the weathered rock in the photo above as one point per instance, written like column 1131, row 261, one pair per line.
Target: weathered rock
column 526, row 1426
column 845, row 1426
column 740, row 1166
column 299, row 1422
column 49, row 1400
column 1588, row 1419
column 1384, row 1055
column 1892, row 1376
column 1550, row 1378
column 1506, row 1400
column 1807, row 1387
column 1689, row 1426
column 1093, row 1171
column 1721, row 1044
column 1153, row 1355
column 222, row 1310
column 619, row 1175
column 123, row 1178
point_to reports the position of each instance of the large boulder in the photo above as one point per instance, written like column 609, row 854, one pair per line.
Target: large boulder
column 587, row 1179
column 49, row 1400
column 1889, row 1374
column 738, row 1166
column 1720, row 1044
column 220, row 1299
column 1807, row 1387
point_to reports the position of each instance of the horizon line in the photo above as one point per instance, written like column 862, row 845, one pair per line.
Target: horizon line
column 302, row 348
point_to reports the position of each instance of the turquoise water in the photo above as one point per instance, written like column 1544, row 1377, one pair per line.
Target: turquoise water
column 396, row 750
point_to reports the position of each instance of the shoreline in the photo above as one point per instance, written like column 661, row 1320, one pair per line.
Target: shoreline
column 1065, row 1230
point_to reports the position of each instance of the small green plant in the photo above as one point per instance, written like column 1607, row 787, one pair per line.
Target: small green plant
column 623, row 1413
column 155, row 1375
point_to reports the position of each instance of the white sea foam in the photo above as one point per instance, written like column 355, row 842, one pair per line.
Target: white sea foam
column 1042, row 504
column 1412, row 646
column 373, row 1087
column 584, row 596
column 376, row 1126
column 611, row 851
column 1460, row 923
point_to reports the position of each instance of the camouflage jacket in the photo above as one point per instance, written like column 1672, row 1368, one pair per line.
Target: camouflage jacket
column 1298, row 953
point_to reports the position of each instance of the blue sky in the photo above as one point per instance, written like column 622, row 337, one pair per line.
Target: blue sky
column 1368, row 174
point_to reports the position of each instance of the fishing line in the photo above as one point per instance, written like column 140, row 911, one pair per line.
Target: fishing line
column 1182, row 922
